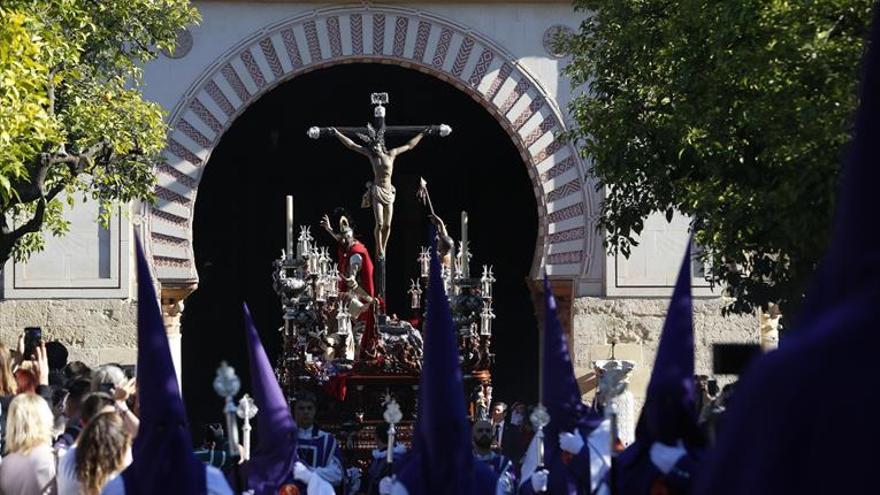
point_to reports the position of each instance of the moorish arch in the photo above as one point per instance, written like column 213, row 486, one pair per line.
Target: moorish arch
column 392, row 35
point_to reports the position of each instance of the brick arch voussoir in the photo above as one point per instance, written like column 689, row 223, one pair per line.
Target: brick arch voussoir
column 470, row 62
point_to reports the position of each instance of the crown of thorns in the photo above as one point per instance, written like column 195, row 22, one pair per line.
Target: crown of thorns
column 373, row 136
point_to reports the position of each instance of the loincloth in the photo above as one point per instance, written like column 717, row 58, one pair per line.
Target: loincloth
column 384, row 195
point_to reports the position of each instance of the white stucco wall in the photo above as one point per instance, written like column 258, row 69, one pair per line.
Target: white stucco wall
column 519, row 28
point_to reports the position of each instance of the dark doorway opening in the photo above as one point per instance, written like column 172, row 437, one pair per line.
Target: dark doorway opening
column 240, row 214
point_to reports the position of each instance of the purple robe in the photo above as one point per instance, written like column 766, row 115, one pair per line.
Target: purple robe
column 442, row 459
column 317, row 450
column 272, row 460
column 669, row 413
column 562, row 398
column 501, row 466
column 163, row 458
column 378, row 469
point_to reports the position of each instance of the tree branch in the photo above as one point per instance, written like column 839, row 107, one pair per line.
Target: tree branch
column 55, row 191
column 51, row 88
column 32, row 225
column 35, row 188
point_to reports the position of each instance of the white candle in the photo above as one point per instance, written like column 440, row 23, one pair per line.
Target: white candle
column 290, row 225
column 465, row 249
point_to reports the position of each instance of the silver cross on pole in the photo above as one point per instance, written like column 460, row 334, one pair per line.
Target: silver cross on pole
column 246, row 410
column 227, row 384
column 392, row 416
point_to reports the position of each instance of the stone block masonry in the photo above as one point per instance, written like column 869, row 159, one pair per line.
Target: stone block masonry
column 634, row 326
column 98, row 331
column 95, row 331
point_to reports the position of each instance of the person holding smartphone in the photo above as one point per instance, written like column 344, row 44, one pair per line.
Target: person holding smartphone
column 31, row 368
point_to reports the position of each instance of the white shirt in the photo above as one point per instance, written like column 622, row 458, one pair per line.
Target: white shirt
column 499, row 432
column 68, row 482
column 28, row 474
column 214, row 480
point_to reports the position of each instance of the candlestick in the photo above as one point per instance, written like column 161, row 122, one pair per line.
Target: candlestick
column 343, row 321
column 415, row 292
column 319, row 290
column 304, row 245
column 333, row 281
column 486, row 318
column 486, row 282
column 465, row 258
column 290, row 226
column 424, row 262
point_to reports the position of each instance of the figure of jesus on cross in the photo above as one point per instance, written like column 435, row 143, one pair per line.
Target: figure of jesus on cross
column 380, row 193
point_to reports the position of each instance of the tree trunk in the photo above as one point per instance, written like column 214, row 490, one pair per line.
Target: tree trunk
column 7, row 242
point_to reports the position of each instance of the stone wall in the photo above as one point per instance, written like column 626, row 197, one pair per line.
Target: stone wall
column 634, row 325
column 95, row 331
column 98, row 331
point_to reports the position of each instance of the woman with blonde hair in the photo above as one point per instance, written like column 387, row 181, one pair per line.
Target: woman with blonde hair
column 102, row 451
column 29, row 465
column 8, row 388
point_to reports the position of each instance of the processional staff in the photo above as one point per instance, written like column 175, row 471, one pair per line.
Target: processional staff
column 227, row 384
column 392, row 416
column 445, row 243
column 612, row 384
column 246, row 410
column 540, row 417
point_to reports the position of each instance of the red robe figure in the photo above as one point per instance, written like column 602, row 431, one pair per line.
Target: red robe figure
column 356, row 269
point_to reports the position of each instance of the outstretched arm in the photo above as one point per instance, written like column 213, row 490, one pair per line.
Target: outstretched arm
column 348, row 142
column 441, row 226
column 325, row 223
column 408, row 146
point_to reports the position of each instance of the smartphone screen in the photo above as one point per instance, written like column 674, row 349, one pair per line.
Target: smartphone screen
column 33, row 336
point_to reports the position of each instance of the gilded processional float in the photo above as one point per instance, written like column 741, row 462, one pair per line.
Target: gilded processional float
column 340, row 341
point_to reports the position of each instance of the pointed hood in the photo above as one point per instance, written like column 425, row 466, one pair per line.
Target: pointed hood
column 562, row 398
column 442, row 460
column 562, row 395
column 163, row 460
column 275, row 455
column 668, row 413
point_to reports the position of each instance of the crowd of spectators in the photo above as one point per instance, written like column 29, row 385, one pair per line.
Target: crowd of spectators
column 64, row 428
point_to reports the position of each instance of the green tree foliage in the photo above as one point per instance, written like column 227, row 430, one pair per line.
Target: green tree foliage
column 735, row 113
column 73, row 122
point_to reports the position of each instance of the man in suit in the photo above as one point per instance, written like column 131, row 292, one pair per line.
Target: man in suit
column 507, row 436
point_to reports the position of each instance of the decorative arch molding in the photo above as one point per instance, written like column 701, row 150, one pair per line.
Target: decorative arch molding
column 402, row 36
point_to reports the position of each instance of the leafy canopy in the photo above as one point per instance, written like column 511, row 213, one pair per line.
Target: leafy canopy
column 73, row 121
column 735, row 113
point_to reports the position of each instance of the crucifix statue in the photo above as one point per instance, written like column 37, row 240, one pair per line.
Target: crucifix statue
column 380, row 193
